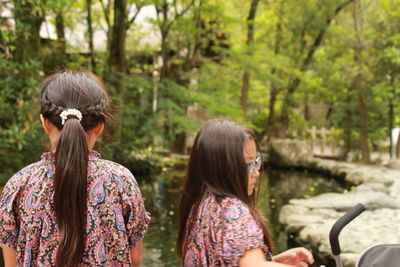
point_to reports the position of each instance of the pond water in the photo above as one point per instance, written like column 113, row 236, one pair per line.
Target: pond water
column 276, row 189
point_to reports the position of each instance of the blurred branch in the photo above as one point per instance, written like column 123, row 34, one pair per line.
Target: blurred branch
column 132, row 20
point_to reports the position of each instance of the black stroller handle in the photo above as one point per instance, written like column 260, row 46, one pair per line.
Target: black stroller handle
column 339, row 224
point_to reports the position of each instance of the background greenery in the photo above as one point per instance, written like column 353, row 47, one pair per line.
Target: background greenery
column 262, row 63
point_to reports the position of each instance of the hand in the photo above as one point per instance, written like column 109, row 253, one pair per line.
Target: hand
column 299, row 257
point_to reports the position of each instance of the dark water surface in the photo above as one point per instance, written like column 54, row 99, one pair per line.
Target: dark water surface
column 161, row 198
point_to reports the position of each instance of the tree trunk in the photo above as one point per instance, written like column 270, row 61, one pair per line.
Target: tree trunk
column 58, row 57
column 164, row 55
column 117, row 63
column 288, row 102
column 192, row 58
column 164, row 25
column 271, row 127
column 358, row 83
column 27, row 25
column 90, row 32
column 107, row 14
column 306, row 108
column 60, row 29
column 117, row 59
column 167, row 15
column 179, row 143
column 348, row 140
column 191, row 62
column 391, row 113
column 245, row 91
column 165, row 22
column 250, row 36
column 398, row 146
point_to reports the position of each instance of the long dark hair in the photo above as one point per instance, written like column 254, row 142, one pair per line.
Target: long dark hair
column 217, row 165
column 86, row 93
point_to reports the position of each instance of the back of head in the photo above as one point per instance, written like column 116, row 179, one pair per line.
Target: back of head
column 84, row 95
column 217, row 161
column 216, row 165
column 74, row 90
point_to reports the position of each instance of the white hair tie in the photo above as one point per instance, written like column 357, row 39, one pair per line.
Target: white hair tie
column 70, row 112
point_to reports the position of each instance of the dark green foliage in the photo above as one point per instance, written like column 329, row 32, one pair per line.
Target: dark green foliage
column 20, row 130
column 206, row 55
column 142, row 163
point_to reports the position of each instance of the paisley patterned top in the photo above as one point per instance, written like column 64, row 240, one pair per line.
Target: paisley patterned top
column 116, row 216
column 222, row 232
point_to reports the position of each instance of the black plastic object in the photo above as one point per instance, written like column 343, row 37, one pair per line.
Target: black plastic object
column 339, row 224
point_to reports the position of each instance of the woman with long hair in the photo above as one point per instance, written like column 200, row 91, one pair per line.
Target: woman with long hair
column 72, row 207
column 219, row 224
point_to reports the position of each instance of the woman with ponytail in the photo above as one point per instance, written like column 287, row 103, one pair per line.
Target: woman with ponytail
column 72, row 207
column 218, row 222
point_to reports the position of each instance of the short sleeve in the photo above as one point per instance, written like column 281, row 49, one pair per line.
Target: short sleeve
column 9, row 227
column 241, row 232
column 136, row 218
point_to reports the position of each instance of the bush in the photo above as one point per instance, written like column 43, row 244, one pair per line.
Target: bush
column 142, row 163
column 20, row 131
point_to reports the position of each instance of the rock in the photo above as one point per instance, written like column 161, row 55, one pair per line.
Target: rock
column 288, row 153
column 394, row 164
column 370, row 228
column 343, row 202
column 377, row 187
column 367, row 174
column 312, row 218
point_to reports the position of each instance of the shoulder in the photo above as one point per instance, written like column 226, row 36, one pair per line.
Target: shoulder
column 20, row 178
column 235, row 209
column 229, row 201
column 241, row 231
column 16, row 184
column 113, row 169
column 103, row 167
column 239, row 219
column 114, row 174
column 230, row 208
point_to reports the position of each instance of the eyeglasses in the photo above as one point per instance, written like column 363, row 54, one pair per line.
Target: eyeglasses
column 254, row 164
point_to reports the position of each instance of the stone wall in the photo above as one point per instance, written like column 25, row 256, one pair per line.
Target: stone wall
column 377, row 188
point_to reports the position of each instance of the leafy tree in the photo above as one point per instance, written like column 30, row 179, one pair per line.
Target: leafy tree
column 20, row 130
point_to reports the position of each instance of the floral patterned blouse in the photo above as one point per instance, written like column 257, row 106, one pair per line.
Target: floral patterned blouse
column 116, row 216
column 222, row 232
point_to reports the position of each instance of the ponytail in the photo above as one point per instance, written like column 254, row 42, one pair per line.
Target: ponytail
column 70, row 192
column 75, row 103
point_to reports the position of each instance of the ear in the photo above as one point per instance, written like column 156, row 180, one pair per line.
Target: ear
column 47, row 126
column 98, row 130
